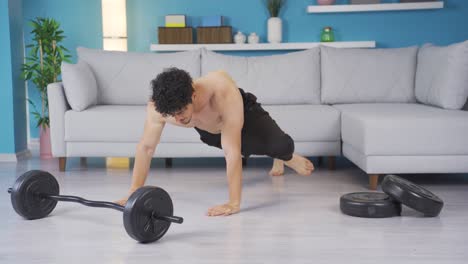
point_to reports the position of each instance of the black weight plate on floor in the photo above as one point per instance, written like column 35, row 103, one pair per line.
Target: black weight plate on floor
column 24, row 196
column 369, row 205
column 412, row 195
column 138, row 210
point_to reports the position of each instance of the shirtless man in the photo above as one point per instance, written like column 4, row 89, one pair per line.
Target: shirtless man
column 226, row 117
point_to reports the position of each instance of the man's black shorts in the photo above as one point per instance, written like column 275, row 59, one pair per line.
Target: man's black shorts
column 260, row 133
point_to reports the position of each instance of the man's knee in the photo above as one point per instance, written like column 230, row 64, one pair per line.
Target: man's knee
column 281, row 148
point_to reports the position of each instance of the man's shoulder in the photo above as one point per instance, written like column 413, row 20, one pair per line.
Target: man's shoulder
column 153, row 115
column 218, row 72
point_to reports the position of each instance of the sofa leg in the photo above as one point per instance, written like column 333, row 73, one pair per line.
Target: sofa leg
column 168, row 162
column 319, row 161
column 373, row 181
column 331, row 163
column 62, row 163
column 83, row 161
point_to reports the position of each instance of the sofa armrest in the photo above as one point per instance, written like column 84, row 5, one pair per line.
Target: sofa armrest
column 58, row 105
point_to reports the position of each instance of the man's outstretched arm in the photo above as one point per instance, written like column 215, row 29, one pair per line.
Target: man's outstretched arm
column 145, row 149
column 233, row 121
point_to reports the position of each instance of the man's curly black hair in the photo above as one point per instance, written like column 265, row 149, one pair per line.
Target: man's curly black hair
column 172, row 91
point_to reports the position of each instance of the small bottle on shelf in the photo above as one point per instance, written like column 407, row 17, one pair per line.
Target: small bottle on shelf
column 327, row 35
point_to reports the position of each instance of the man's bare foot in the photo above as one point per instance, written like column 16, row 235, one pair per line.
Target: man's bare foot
column 278, row 168
column 301, row 165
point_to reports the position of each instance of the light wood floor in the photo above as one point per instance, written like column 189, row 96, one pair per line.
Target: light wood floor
column 290, row 219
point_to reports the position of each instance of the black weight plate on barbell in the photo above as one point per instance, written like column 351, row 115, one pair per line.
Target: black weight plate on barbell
column 369, row 205
column 138, row 210
column 24, row 196
column 412, row 195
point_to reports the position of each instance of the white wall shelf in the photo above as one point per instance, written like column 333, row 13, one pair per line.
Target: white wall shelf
column 374, row 7
column 262, row 46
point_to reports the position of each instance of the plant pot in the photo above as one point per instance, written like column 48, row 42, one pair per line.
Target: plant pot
column 44, row 143
column 275, row 30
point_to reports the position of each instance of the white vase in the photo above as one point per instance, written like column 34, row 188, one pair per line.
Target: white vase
column 275, row 30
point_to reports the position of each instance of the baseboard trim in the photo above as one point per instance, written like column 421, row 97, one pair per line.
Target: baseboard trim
column 25, row 154
column 8, row 158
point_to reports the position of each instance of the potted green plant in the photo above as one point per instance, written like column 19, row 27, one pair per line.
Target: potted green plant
column 41, row 67
column 275, row 25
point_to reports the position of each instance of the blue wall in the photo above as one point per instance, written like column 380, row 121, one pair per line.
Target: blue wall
column 81, row 21
column 7, row 143
column 13, row 134
column 389, row 29
column 19, row 88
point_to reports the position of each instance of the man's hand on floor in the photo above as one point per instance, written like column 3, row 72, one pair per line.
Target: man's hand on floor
column 224, row 209
column 122, row 201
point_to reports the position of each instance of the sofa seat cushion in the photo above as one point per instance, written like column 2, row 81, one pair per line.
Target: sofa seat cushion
column 307, row 122
column 124, row 123
column 118, row 123
column 404, row 129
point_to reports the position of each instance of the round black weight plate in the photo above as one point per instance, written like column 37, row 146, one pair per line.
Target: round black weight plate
column 412, row 195
column 24, row 196
column 138, row 211
column 369, row 204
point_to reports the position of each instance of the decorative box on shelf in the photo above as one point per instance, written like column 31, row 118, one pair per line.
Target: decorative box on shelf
column 176, row 21
column 212, row 21
column 214, row 35
column 175, row 35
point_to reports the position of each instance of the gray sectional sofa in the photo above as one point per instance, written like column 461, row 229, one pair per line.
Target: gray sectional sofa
column 386, row 110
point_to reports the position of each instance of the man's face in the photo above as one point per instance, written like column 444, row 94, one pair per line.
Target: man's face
column 184, row 116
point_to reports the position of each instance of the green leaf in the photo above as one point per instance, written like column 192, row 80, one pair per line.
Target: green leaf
column 42, row 68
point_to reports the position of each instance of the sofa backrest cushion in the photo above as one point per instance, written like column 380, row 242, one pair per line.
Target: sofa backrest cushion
column 292, row 78
column 79, row 85
column 442, row 75
column 235, row 66
column 368, row 75
column 124, row 77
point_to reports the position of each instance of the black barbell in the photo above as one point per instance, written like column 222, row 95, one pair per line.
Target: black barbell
column 147, row 214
